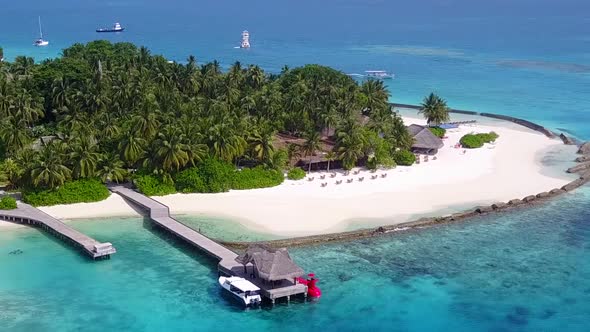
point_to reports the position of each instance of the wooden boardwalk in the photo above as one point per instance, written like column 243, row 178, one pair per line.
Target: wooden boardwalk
column 26, row 214
column 160, row 215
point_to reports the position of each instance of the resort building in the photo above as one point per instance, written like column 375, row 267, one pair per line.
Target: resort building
column 270, row 265
column 425, row 141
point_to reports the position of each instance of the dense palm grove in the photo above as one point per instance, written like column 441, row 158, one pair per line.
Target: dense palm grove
column 113, row 111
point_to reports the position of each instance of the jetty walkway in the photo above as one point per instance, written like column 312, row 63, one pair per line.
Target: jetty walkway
column 160, row 215
column 26, row 214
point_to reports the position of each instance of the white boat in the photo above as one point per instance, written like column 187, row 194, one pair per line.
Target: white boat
column 379, row 74
column 41, row 41
column 242, row 290
column 245, row 39
column 116, row 28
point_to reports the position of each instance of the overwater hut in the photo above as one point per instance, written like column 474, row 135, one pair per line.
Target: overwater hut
column 269, row 264
column 425, row 141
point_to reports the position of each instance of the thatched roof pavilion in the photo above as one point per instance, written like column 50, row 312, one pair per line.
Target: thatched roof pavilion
column 424, row 140
column 270, row 264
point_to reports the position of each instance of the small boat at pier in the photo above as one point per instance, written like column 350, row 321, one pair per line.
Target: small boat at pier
column 245, row 292
column 116, row 28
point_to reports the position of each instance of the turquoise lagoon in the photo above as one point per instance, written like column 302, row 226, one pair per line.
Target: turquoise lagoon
column 520, row 271
column 526, row 270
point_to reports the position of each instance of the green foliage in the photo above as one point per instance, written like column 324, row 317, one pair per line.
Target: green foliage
column 152, row 185
column 488, row 137
column 257, row 177
column 114, row 108
column 214, row 176
column 190, row 181
column 404, row 158
column 7, row 203
column 217, row 175
column 80, row 191
column 474, row 141
column 295, row 174
column 438, row 131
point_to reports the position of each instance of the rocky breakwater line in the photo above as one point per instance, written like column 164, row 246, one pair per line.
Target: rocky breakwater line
column 583, row 168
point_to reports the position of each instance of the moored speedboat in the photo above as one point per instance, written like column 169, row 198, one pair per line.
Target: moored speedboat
column 242, row 290
column 116, row 28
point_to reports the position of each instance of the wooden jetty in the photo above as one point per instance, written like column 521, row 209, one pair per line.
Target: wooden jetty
column 26, row 214
column 160, row 215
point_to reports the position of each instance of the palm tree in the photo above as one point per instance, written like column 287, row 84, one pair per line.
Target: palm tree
column 350, row 143
column 14, row 134
column 435, row 110
column 293, row 152
column 111, row 168
column 224, row 141
column 23, row 65
column 311, row 145
column 48, row 170
column 330, row 156
column 375, row 96
column 26, row 107
column 171, row 152
column 146, row 122
column 10, row 172
column 398, row 135
column 132, row 147
column 278, row 160
column 60, row 89
column 255, row 77
column 84, row 157
column 261, row 143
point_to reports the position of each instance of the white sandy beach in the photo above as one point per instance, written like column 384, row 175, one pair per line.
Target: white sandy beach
column 508, row 169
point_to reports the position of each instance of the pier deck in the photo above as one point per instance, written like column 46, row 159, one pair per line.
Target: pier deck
column 160, row 215
column 26, row 214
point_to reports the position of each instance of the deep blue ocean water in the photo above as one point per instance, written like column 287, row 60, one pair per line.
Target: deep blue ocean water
column 520, row 271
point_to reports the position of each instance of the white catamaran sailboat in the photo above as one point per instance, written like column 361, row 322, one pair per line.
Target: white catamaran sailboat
column 41, row 41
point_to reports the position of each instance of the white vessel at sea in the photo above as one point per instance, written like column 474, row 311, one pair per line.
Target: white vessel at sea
column 242, row 290
column 245, row 39
column 41, row 41
column 379, row 74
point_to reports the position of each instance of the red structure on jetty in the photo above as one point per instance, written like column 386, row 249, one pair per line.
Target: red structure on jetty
column 312, row 289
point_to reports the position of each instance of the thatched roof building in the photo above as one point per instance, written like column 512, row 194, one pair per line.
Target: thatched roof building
column 424, row 140
column 269, row 263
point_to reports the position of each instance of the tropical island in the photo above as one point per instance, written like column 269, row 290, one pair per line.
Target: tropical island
column 304, row 151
